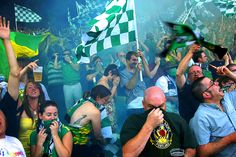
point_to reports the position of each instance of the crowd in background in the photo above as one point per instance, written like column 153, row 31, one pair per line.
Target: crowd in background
column 86, row 104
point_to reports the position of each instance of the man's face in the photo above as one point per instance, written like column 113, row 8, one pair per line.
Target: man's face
column 203, row 58
column 213, row 89
column 103, row 101
column 133, row 61
column 2, row 124
column 194, row 73
column 121, row 55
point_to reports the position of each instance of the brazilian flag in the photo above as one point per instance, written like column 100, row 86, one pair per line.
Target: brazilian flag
column 24, row 45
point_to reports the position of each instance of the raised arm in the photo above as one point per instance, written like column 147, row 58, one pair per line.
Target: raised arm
column 133, row 81
column 115, row 83
column 161, row 41
column 156, row 67
column 63, row 146
column 145, row 64
column 14, row 76
column 224, row 71
column 31, row 65
column 75, row 66
column 180, row 78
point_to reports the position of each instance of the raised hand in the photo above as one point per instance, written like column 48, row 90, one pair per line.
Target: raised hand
column 4, row 28
column 155, row 118
column 54, row 128
column 140, row 54
column 221, row 70
column 33, row 64
column 158, row 60
column 194, row 48
column 41, row 137
column 116, row 81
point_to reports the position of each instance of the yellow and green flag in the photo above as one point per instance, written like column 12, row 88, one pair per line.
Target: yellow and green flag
column 24, row 45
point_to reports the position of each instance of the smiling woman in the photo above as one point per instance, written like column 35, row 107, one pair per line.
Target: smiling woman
column 28, row 112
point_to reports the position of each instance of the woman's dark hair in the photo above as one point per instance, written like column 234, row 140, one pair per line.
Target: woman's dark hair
column 25, row 102
column 99, row 91
column 112, row 68
column 46, row 104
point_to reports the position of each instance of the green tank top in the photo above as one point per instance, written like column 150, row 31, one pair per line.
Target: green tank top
column 81, row 134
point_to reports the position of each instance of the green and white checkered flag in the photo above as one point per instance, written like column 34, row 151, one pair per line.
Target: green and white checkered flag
column 115, row 26
column 197, row 24
column 23, row 14
column 227, row 7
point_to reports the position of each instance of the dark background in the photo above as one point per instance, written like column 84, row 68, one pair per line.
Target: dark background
column 53, row 12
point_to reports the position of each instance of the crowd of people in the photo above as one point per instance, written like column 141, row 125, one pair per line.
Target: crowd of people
column 137, row 105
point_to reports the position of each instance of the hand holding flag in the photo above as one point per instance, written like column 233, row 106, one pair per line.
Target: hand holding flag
column 183, row 35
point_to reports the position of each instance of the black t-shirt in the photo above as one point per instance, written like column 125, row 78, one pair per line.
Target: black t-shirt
column 188, row 104
column 173, row 133
column 9, row 107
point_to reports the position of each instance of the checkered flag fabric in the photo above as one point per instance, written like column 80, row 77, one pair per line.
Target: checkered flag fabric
column 89, row 10
column 24, row 14
column 116, row 26
column 197, row 24
column 227, row 7
column 199, row 2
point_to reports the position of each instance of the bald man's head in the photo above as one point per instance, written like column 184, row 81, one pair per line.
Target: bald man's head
column 154, row 97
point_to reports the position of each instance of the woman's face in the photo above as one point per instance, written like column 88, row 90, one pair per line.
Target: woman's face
column 50, row 113
column 103, row 100
column 32, row 90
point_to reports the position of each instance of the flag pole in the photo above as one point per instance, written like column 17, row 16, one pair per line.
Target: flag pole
column 137, row 41
column 16, row 25
column 190, row 10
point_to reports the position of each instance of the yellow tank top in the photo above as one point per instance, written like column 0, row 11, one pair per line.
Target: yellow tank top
column 27, row 126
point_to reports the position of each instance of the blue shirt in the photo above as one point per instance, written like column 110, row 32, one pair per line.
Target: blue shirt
column 137, row 91
column 210, row 124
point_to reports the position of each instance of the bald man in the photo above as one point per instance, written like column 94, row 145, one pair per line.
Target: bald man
column 155, row 132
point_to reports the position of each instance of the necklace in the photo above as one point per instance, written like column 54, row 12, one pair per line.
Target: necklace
column 34, row 112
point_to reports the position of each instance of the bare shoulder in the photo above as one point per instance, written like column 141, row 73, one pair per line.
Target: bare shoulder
column 88, row 109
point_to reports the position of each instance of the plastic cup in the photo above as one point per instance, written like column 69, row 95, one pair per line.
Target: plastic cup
column 177, row 152
column 38, row 73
